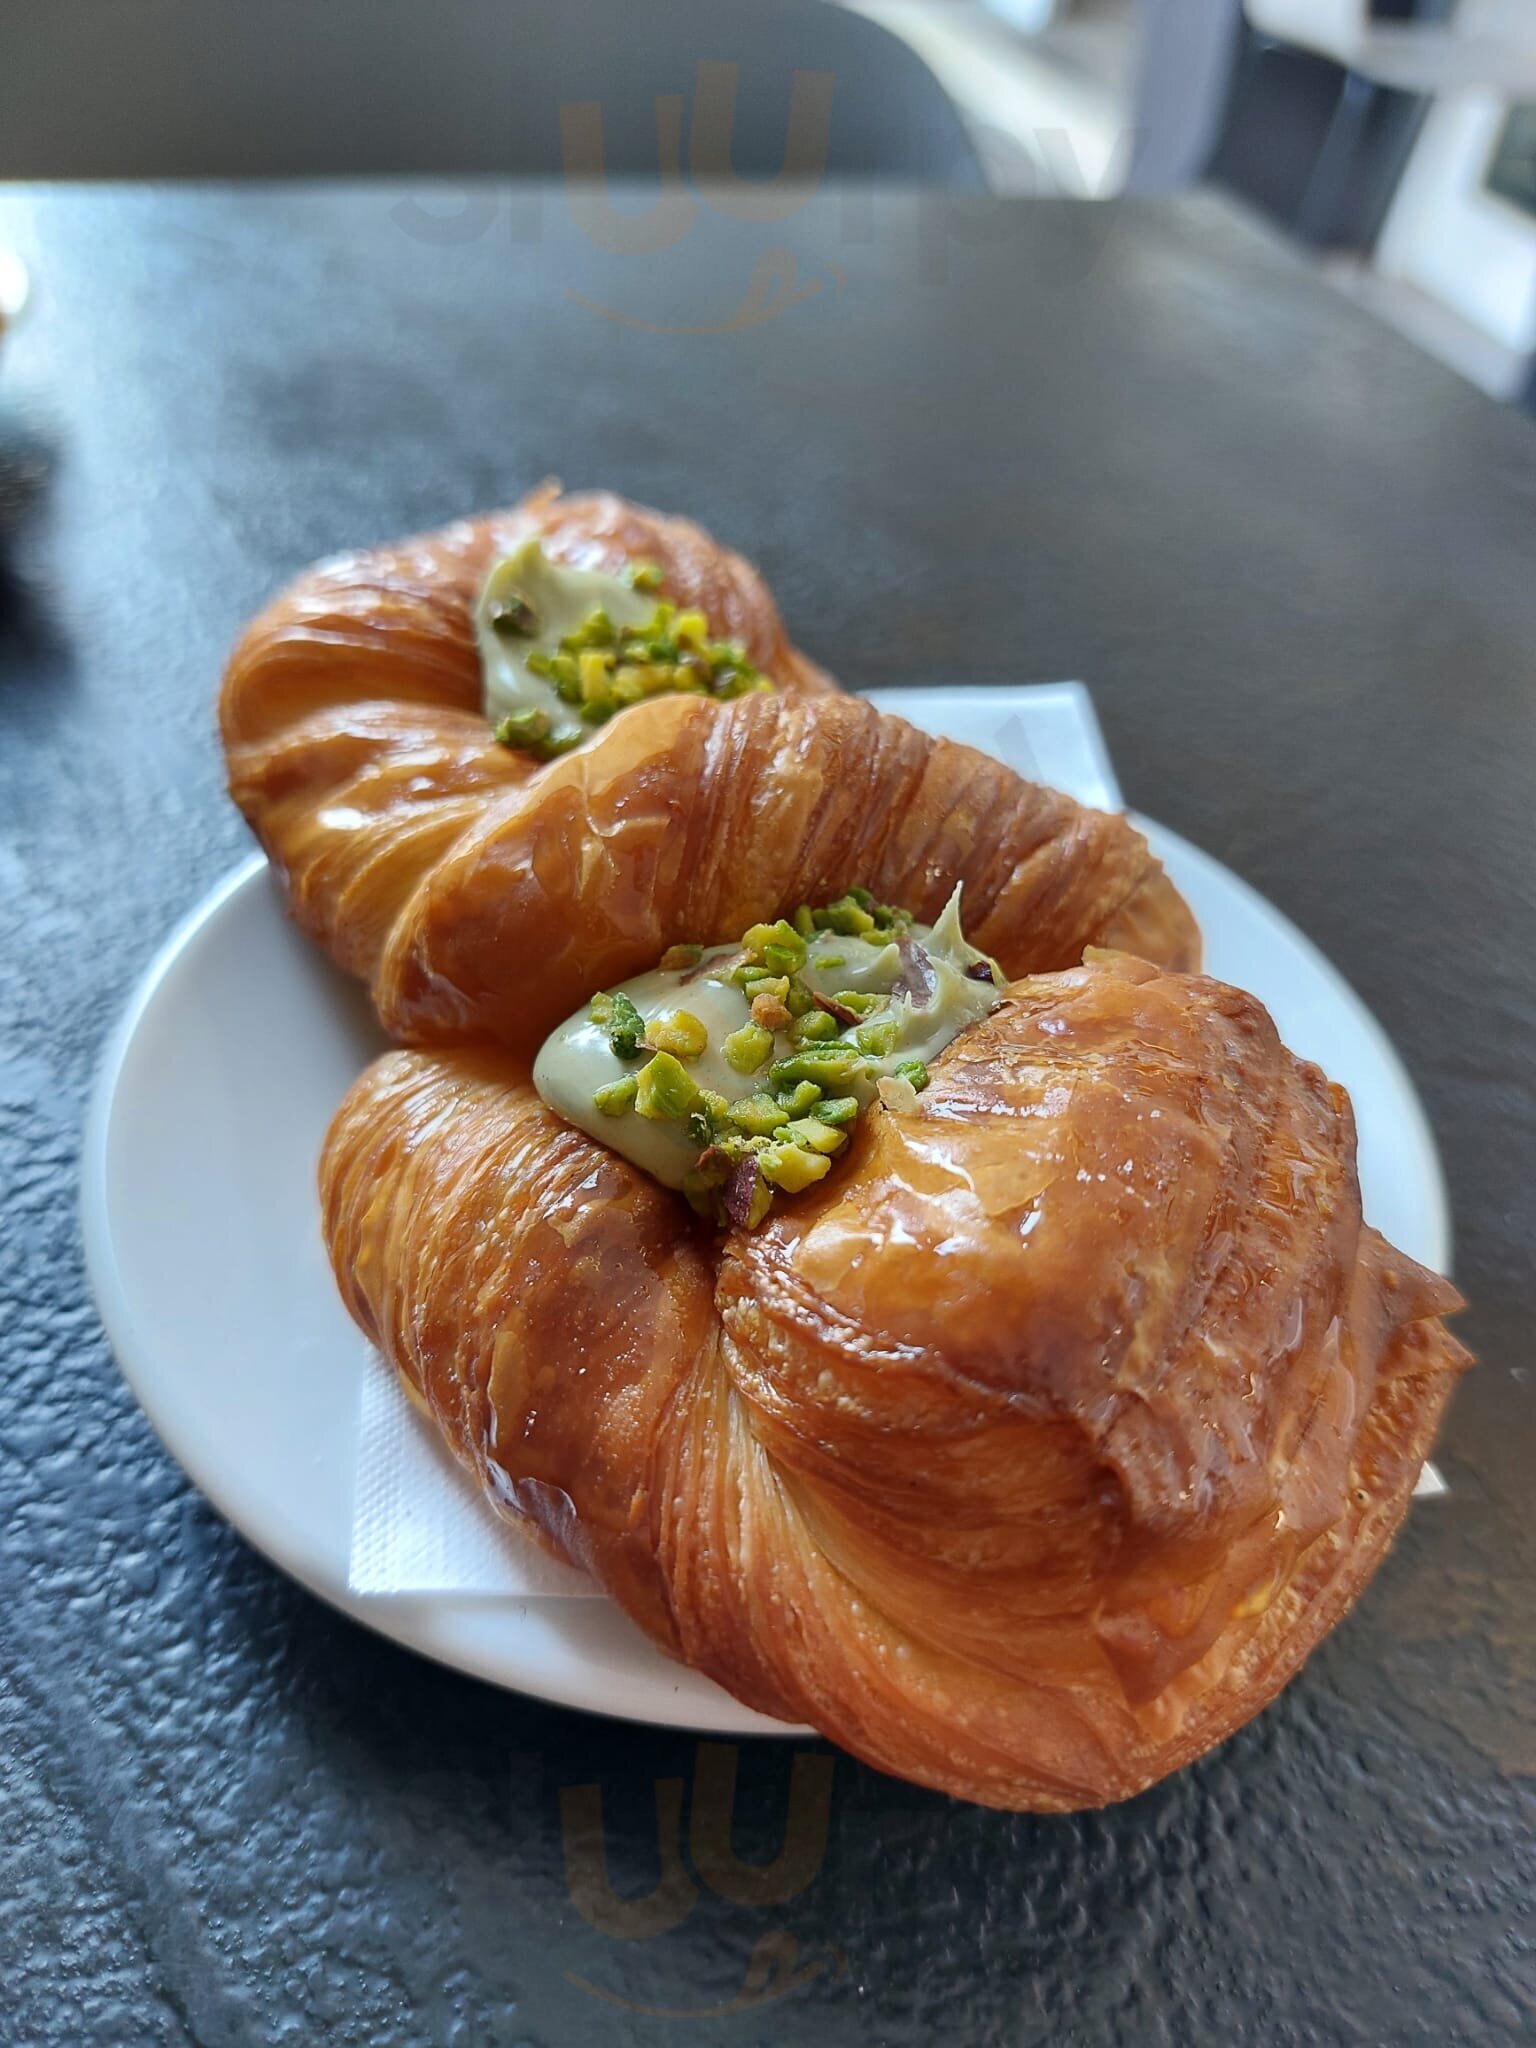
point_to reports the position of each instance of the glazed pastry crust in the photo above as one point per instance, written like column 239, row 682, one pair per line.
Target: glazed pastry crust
column 1026, row 1457
column 483, row 894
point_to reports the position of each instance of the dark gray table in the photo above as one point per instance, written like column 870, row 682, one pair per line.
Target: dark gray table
column 1298, row 565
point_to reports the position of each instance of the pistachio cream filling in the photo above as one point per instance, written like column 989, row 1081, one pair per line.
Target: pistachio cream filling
column 737, row 1073
column 562, row 649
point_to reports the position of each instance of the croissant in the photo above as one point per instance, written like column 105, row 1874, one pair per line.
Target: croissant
column 483, row 894
column 1026, row 1457
column 1027, row 1454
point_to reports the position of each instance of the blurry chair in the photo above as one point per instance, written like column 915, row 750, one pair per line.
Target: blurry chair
column 1284, row 124
column 1376, row 131
column 320, row 88
column 1184, row 56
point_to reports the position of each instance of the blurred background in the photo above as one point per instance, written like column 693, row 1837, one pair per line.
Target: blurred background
column 1394, row 141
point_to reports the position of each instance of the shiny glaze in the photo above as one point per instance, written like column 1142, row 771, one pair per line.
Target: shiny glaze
column 1027, row 1457
column 484, row 895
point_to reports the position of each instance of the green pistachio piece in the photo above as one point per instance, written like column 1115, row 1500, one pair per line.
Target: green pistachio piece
column 595, row 670
column 679, row 1032
column 666, row 1090
column 791, row 1167
column 837, row 1109
column 747, row 1049
column 815, row 1026
column 877, row 1040
column 804, row 923
column 915, row 1072
column 863, row 1003
column 826, row 1065
column 678, row 958
column 767, row 985
column 757, row 1115
column 800, row 1001
column 813, row 1135
column 763, row 940
column 847, row 917
column 800, row 1097
column 616, row 1096
column 622, row 1021
column 645, row 576
column 523, row 728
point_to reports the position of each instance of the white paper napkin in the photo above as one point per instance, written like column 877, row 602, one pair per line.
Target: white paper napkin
column 1046, row 732
column 418, row 1523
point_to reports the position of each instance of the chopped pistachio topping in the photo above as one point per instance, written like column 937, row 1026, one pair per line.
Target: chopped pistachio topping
column 815, row 1136
column 564, row 648
column 747, row 1049
column 775, row 985
column 814, row 1026
column 876, row 1039
column 837, row 1109
column 600, row 668
column 614, row 1097
column 665, row 1089
column 621, row 1020
column 823, row 1065
column 792, row 1167
column 527, row 729
column 751, row 1090
column 800, row 1097
column 757, row 1115
column 679, row 1032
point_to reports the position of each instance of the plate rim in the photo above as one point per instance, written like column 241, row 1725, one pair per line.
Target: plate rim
column 129, row 1346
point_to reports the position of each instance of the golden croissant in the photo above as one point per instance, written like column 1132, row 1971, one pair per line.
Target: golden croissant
column 1027, row 1447
column 483, row 895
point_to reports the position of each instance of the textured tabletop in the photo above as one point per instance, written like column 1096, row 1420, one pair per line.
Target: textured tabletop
column 967, row 442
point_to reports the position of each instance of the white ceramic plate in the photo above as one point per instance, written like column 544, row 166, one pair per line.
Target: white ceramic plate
column 203, row 1245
